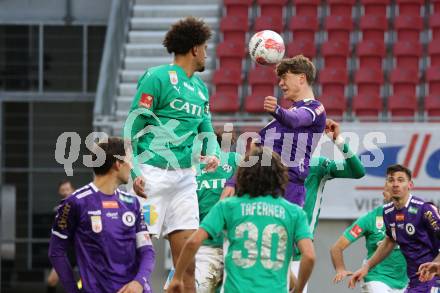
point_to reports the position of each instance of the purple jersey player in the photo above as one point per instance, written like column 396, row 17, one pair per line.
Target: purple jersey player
column 294, row 133
column 112, row 245
column 411, row 223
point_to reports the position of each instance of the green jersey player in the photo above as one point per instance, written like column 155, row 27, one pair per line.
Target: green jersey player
column 387, row 276
column 169, row 111
column 260, row 229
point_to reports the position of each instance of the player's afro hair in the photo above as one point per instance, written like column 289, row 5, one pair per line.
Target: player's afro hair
column 267, row 177
column 185, row 35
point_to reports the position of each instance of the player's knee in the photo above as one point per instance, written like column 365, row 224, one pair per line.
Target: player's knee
column 52, row 280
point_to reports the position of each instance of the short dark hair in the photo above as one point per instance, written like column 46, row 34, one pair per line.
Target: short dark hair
column 64, row 181
column 185, row 35
column 399, row 168
column 296, row 65
column 113, row 148
column 259, row 179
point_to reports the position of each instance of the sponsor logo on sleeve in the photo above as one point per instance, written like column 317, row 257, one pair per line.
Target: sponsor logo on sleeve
column 379, row 222
column 110, row 204
column 356, row 231
column 410, row 229
column 432, row 220
column 96, row 224
column 62, row 219
column 128, row 218
column 146, row 100
column 319, row 109
column 142, row 239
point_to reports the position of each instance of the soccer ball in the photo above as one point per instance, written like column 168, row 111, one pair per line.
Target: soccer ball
column 266, row 47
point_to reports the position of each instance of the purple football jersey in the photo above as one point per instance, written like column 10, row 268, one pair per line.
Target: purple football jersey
column 294, row 134
column 110, row 237
column 415, row 229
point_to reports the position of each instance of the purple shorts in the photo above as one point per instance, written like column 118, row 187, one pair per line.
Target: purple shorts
column 295, row 193
column 425, row 287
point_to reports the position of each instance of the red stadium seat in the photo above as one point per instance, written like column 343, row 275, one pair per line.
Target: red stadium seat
column 375, row 7
column 230, row 54
column 269, row 23
column 304, row 28
column 373, row 27
column 432, row 106
column 338, row 28
column 370, row 54
column 273, row 8
column 433, row 79
column 341, row 7
column 224, row 102
column 335, row 54
column 335, row 105
column 402, row 107
column 238, row 8
column 307, row 49
column 333, row 81
column 434, row 52
column 234, row 29
column 368, row 81
column 367, row 107
column 436, row 6
column 434, row 25
column 404, row 81
column 408, row 27
column 409, row 7
column 306, row 7
column 227, row 80
column 262, row 80
column 407, row 54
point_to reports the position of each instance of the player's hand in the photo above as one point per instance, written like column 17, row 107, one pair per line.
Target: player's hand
column 176, row 286
column 228, row 191
column 138, row 186
column 132, row 287
column 358, row 276
column 270, row 104
column 340, row 275
column 332, row 129
column 212, row 163
column 428, row 270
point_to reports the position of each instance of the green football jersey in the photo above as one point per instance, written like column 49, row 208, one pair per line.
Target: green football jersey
column 210, row 186
column 169, row 110
column 392, row 270
column 259, row 236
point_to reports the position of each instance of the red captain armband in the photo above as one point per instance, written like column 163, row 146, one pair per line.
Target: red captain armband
column 146, row 100
column 356, row 231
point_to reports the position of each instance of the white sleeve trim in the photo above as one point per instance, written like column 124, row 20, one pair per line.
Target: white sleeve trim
column 59, row 234
column 313, row 113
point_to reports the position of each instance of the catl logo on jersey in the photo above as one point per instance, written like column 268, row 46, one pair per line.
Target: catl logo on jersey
column 173, row 77
column 96, row 224
column 189, row 108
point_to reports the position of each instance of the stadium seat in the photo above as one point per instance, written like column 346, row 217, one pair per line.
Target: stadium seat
column 307, row 49
column 367, row 107
column 341, row 7
column 333, row 81
column 238, row 8
column 273, row 8
column 306, row 7
column 373, row 27
column 370, row 54
column 335, row 105
column 409, row 7
column 434, row 52
column 436, row 6
column 230, row 55
column 407, row 54
column 432, row 106
column 434, row 25
column 368, row 81
column 227, row 80
column 224, row 102
column 433, row 79
column 338, row 28
column 404, row 81
column 262, row 80
column 234, row 29
column 304, row 28
column 335, row 54
column 269, row 23
column 408, row 27
column 375, row 7
column 402, row 107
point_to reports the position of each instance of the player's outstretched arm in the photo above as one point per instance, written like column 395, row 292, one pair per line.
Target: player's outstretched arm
column 291, row 118
column 306, row 264
column 336, row 253
column 188, row 252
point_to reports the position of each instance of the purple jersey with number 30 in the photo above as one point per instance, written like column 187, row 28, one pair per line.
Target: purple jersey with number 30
column 415, row 229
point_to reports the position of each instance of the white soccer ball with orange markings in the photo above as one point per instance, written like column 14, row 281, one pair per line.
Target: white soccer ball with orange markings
column 266, row 47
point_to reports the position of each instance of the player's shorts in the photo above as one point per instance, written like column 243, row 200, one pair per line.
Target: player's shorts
column 209, row 269
column 428, row 287
column 294, row 268
column 295, row 193
column 171, row 202
column 378, row 287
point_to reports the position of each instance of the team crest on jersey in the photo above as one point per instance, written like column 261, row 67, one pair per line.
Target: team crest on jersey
column 128, row 218
column 379, row 222
column 227, row 168
column 173, row 77
column 96, row 224
column 410, row 229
